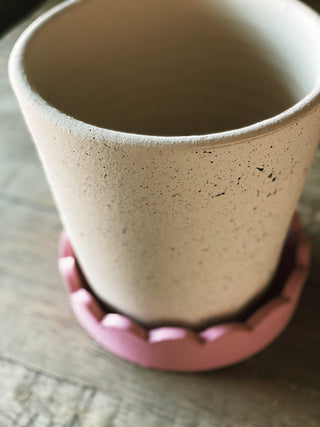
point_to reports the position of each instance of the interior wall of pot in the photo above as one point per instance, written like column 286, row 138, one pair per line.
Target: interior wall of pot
column 171, row 67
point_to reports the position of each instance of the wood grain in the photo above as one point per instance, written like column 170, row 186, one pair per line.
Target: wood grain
column 53, row 374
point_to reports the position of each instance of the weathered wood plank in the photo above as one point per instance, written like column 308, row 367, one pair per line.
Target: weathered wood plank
column 31, row 398
column 52, row 373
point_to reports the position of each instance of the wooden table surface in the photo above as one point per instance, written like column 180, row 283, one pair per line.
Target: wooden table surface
column 53, row 374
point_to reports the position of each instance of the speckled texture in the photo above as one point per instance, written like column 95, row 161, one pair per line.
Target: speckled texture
column 175, row 230
column 179, row 233
column 181, row 349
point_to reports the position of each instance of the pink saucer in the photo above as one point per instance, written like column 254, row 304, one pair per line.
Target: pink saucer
column 181, row 349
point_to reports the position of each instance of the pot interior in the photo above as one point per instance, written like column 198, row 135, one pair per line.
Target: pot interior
column 173, row 67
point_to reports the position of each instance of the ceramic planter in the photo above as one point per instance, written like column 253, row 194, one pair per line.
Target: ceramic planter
column 176, row 137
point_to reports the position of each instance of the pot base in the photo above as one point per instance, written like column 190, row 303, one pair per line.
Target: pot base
column 181, row 349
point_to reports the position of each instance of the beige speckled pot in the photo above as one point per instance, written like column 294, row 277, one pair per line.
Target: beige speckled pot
column 167, row 227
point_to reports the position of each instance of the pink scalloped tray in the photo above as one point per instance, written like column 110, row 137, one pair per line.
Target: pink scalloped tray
column 181, row 349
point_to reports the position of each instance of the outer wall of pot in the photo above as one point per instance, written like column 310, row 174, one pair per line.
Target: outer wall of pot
column 177, row 232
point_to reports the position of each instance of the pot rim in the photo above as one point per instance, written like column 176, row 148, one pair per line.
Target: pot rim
column 49, row 113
